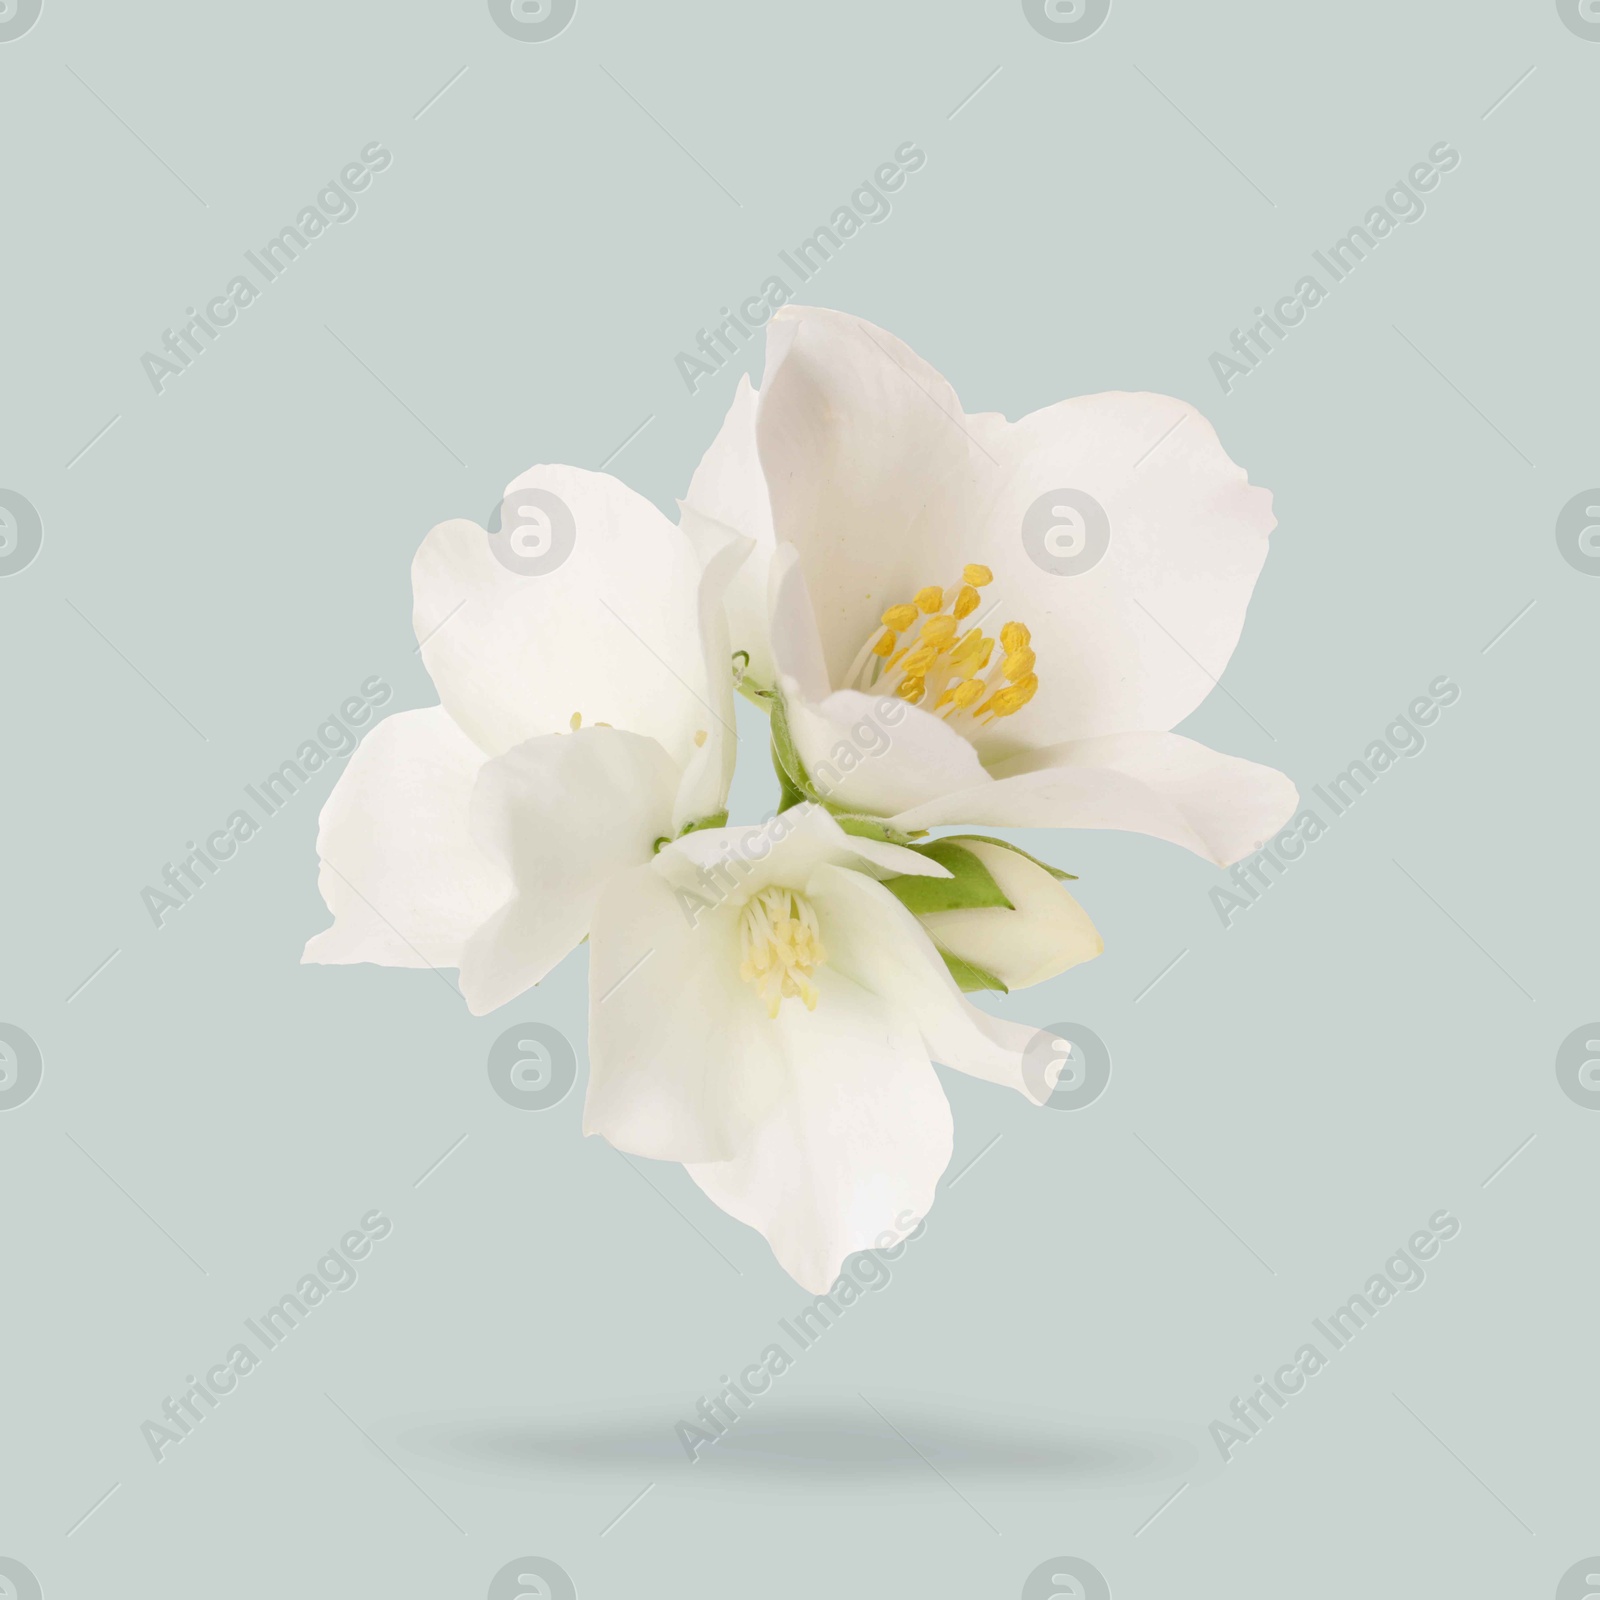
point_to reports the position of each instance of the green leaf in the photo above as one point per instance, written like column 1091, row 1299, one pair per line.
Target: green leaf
column 979, row 838
column 970, row 885
column 968, row 977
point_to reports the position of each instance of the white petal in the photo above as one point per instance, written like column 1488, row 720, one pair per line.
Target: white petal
column 1140, row 639
column 873, row 754
column 561, row 814
column 400, row 872
column 1044, row 933
column 851, row 1149
column 683, row 1060
column 796, row 643
column 704, row 789
column 611, row 632
column 728, row 487
column 885, row 486
column 902, row 756
column 722, row 862
column 873, row 939
column 1219, row 806
column 867, row 459
column 683, row 1057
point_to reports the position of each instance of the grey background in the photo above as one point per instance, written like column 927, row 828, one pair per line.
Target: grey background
column 1290, row 1101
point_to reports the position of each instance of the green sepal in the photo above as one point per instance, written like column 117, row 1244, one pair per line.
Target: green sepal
column 717, row 819
column 970, row 978
column 1016, row 850
column 970, row 886
column 872, row 828
column 788, row 794
column 784, row 755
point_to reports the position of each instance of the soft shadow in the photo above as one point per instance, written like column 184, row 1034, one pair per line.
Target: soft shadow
column 833, row 1440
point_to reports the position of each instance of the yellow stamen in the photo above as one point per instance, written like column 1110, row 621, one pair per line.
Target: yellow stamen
column 575, row 721
column 961, row 695
column 1014, row 637
column 966, row 601
column 885, row 645
column 780, row 946
column 976, row 575
column 972, row 654
column 1019, row 665
column 911, row 689
column 918, row 660
column 899, row 617
column 930, row 599
column 1010, row 699
column 937, row 631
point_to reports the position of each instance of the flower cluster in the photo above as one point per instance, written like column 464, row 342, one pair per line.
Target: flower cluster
column 853, row 551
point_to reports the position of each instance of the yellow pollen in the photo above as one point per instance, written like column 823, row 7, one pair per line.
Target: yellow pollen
column 700, row 737
column 780, row 947
column 921, row 654
column 1010, row 699
column 1019, row 665
column 972, row 653
column 961, row 695
column 575, row 721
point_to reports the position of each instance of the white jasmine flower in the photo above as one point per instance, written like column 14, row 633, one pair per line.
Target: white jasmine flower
column 906, row 548
column 586, row 713
column 766, row 1011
